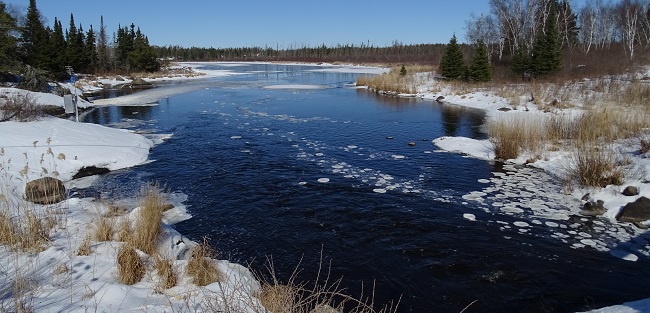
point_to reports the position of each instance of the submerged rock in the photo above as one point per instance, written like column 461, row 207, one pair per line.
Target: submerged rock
column 592, row 208
column 637, row 211
column 46, row 190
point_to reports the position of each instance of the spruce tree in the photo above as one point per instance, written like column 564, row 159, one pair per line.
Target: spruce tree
column 34, row 39
column 520, row 61
column 452, row 65
column 57, row 50
column 546, row 49
column 8, row 45
column 102, row 48
column 481, row 70
column 90, row 51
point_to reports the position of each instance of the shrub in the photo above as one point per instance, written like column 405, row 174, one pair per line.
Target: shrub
column 104, row 229
column 19, row 106
column 130, row 268
column 593, row 166
column 84, row 247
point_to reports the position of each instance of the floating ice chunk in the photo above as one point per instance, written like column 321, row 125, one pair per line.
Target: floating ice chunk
column 352, row 147
column 235, row 137
column 484, row 181
column 552, row 224
column 398, row 157
column 323, row 180
column 302, row 183
column 470, row 217
column 521, row 224
column 337, row 166
column 379, row 190
column 318, row 154
column 624, row 255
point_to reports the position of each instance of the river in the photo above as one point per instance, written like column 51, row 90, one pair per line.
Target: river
column 290, row 162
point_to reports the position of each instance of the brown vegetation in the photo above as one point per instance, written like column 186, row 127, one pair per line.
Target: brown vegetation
column 130, row 268
column 200, row 266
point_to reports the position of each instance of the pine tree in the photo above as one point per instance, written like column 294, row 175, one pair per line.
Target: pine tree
column 90, row 51
column 452, row 65
column 8, row 45
column 34, row 40
column 102, row 48
column 143, row 56
column 481, row 70
column 546, row 49
column 520, row 62
column 57, row 50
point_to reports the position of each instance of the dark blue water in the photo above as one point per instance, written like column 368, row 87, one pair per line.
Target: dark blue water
column 250, row 160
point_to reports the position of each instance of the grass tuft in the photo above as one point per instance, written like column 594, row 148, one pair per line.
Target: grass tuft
column 84, row 247
column 200, row 265
column 164, row 267
column 130, row 268
column 147, row 225
column 104, row 229
column 594, row 166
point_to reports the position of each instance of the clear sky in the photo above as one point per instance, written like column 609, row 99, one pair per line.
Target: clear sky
column 237, row 23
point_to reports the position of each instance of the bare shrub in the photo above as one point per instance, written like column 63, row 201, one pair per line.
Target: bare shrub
column 34, row 79
column 200, row 265
column 19, row 106
column 130, row 268
column 8, row 231
column 645, row 146
column 595, row 166
column 164, row 267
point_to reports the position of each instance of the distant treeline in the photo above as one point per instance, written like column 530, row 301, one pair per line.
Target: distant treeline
column 396, row 53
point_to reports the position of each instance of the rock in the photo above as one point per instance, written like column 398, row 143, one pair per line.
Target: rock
column 140, row 83
column 592, row 208
column 504, row 109
column 440, row 99
column 46, row 190
column 90, row 171
column 586, row 197
column 637, row 211
column 631, row 191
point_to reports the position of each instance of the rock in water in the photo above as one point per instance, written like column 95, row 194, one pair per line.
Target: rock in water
column 46, row 190
column 637, row 211
column 592, row 208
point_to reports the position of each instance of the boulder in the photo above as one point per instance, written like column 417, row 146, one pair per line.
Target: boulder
column 631, row 191
column 140, row 83
column 440, row 99
column 592, row 208
column 637, row 211
column 46, row 190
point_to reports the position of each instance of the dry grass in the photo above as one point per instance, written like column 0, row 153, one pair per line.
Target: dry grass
column 104, row 229
column 26, row 231
column 200, row 266
column 392, row 81
column 595, row 166
column 21, row 107
column 324, row 296
column 164, row 267
column 147, row 225
column 510, row 134
column 84, row 247
column 130, row 268
column 645, row 146
column 124, row 230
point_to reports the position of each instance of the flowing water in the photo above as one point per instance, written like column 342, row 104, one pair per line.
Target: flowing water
column 314, row 169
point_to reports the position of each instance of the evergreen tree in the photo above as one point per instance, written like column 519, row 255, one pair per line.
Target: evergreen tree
column 520, row 61
column 7, row 41
column 546, row 49
column 90, row 51
column 402, row 71
column 57, row 49
column 102, row 48
column 452, row 65
column 481, row 70
column 34, row 39
column 143, row 57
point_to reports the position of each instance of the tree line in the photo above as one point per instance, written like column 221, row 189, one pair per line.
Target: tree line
column 541, row 37
column 26, row 40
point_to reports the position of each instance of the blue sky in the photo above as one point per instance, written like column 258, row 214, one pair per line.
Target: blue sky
column 281, row 22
